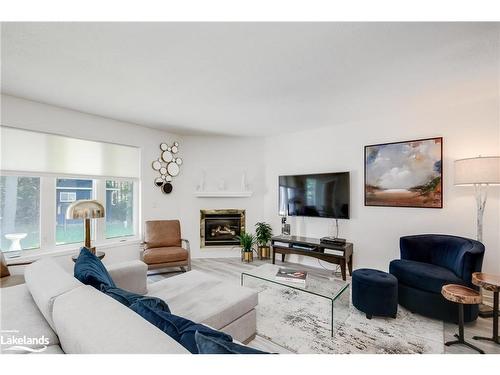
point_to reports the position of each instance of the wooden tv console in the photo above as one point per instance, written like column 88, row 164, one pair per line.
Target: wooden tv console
column 291, row 245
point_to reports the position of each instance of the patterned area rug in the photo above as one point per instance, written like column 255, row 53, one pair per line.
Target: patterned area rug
column 300, row 323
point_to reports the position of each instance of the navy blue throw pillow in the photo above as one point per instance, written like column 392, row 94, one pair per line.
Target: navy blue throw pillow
column 213, row 345
column 90, row 270
column 128, row 298
column 180, row 329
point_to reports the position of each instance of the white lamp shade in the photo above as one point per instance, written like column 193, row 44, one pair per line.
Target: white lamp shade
column 480, row 170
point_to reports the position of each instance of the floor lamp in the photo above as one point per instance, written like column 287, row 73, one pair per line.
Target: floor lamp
column 480, row 172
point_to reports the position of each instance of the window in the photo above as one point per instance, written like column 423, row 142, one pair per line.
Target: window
column 119, row 208
column 67, row 191
column 19, row 213
column 35, row 192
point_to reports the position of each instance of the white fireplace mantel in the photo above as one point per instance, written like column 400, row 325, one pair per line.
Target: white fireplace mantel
column 223, row 194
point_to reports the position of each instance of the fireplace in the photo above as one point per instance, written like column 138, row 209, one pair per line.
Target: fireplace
column 220, row 228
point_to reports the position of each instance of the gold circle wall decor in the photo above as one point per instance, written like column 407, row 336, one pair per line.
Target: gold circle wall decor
column 167, row 166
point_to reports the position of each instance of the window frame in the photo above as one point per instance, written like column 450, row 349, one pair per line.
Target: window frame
column 48, row 210
column 93, row 223
column 135, row 213
column 40, row 221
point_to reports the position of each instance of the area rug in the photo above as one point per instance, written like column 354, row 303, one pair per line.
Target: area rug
column 300, row 323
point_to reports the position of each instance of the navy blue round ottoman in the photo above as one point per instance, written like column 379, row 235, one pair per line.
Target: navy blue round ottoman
column 375, row 292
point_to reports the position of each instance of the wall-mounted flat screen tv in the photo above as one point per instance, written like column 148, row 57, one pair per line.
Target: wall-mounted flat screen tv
column 318, row 195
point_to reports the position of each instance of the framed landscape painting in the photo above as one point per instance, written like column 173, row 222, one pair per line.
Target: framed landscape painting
column 405, row 174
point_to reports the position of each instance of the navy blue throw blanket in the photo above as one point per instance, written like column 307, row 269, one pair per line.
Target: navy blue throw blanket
column 90, row 270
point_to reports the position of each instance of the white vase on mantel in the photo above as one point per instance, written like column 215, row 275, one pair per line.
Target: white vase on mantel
column 222, row 185
column 201, row 185
column 244, row 185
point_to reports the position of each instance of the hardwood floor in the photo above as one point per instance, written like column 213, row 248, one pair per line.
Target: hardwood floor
column 231, row 268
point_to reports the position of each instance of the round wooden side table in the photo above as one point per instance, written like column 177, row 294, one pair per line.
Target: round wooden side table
column 462, row 296
column 491, row 283
column 99, row 254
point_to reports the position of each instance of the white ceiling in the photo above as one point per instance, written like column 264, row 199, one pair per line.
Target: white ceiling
column 239, row 78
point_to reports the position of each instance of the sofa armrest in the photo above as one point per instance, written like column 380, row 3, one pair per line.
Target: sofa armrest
column 131, row 276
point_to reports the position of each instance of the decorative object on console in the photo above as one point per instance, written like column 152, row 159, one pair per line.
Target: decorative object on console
column 263, row 234
column 163, row 246
column 247, row 242
column 481, row 172
column 285, row 228
column 375, row 292
column 86, row 210
column 429, row 261
column 168, row 166
column 404, row 174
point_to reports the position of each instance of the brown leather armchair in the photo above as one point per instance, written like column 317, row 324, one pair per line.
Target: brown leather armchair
column 163, row 246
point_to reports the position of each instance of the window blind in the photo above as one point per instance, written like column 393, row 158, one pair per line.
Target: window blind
column 30, row 151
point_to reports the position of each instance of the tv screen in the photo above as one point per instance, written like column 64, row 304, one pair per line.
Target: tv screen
column 319, row 195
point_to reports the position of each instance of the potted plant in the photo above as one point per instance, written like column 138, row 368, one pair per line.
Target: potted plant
column 263, row 235
column 247, row 241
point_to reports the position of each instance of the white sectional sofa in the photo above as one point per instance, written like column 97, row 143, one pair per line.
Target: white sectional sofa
column 76, row 318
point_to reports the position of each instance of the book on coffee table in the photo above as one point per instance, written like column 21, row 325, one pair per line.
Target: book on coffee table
column 292, row 276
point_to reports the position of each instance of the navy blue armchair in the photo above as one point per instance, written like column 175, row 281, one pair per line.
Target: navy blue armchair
column 429, row 261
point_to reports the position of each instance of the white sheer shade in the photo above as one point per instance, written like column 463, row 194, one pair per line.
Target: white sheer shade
column 29, row 151
column 480, row 170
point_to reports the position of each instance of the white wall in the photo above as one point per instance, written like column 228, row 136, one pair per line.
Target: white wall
column 468, row 121
column 17, row 112
column 220, row 158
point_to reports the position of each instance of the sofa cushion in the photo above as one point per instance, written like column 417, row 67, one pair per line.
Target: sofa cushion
column 90, row 270
column 89, row 322
column 180, row 329
column 162, row 233
column 20, row 316
column 46, row 280
column 424, row 276
column 204, row 298
column 159, row 255
column 214, row 345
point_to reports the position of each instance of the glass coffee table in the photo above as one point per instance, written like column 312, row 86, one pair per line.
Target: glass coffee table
column 334, row 290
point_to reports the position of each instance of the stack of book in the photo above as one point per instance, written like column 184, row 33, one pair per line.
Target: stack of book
column 292, row 276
